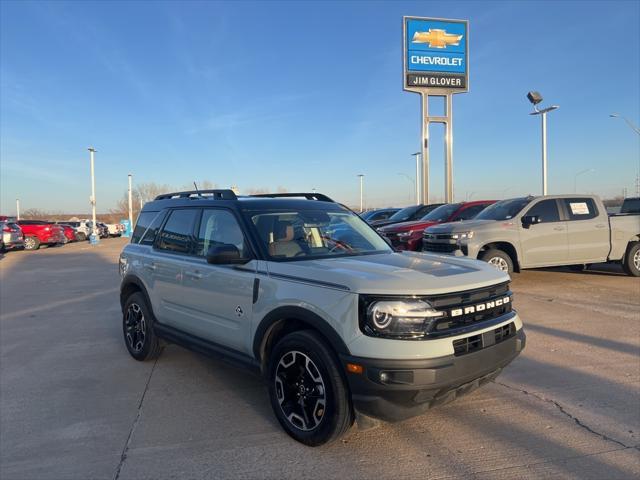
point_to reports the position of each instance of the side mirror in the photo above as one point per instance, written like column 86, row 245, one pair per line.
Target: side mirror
column 225, row 254
column 529, row 220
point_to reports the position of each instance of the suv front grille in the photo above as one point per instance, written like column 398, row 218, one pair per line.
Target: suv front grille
column 474, row 343
column 466, row 311
column 439, row 247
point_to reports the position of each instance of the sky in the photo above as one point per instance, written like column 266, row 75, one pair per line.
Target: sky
column 307, row 95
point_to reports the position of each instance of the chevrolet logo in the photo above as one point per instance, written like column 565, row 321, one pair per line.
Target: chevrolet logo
column 437, row 38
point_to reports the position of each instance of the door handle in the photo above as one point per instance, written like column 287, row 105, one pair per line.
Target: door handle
column 195, row 275
column 600, row 225
column 150, row 266
column 559, row 229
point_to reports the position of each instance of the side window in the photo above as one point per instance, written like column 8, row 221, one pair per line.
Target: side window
column 144, row 220
column 580, row 208
column 469, row 213
column 177, row 234
column 152, row 231
column 546, row 210
column 219, row 227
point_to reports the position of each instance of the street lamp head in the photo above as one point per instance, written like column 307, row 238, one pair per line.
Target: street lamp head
column 91, row 149
column 415, row 154
column 614, row 115
column 534, row 97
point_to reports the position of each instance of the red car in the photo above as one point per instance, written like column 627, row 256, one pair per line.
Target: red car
column 68, row 231
column 408, row 235
column 39, row 232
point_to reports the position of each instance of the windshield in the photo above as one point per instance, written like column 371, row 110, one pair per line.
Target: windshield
column 307, row 234
column 442, row 213
column 404, row 214
column 504, row 210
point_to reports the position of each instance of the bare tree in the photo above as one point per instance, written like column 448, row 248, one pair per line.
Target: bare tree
column 34, row 214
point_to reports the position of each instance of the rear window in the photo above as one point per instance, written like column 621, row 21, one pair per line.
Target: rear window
column 177, row 234
column 144, row 221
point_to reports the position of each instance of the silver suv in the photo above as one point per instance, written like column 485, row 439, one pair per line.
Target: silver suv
column 297, row 286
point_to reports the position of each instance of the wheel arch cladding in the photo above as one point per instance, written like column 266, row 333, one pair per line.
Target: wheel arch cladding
column 284, row 320
column 130, row 285
column 507, row 248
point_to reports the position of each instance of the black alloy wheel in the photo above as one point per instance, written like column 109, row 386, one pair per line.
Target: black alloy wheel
column 137, row 327
column 308, row 390
column 300, row 390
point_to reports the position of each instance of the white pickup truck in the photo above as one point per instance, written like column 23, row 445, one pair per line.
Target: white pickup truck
column 553, row 230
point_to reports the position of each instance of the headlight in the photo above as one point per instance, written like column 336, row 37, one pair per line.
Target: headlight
column 399, row 318
column 406, row 234
column 462, row 235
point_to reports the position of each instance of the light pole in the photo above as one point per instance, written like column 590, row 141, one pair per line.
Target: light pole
column 130, row 205
column 418, row 156
column 17, row 209
column 637, row 130
column 575, row 179
column 94, row 232
column 361, row 175
column 535, row 98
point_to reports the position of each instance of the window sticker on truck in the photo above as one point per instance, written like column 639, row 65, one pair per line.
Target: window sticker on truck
column 579, row 208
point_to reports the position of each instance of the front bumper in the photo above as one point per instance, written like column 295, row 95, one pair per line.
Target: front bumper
column 414, row 386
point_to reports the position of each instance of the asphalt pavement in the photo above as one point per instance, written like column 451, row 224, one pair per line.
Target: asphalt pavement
column 74, row 404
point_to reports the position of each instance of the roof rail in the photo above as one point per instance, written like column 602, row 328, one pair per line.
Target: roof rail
column 216, row 194
column 309, row 196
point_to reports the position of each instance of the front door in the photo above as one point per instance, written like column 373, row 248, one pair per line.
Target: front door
column 219, row 297
column 544, row 243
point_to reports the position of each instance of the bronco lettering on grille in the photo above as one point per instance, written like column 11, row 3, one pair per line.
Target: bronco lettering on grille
column 480, row 307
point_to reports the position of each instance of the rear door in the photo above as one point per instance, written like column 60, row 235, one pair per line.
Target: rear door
column 219, row 298
column 172, row 249
column 588, row 230
column 544, row 243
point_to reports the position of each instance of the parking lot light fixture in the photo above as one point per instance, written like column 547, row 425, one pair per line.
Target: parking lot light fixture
column 535, row 98
column 17, row 209
column 575, row 180
column 130, row 205
column 361, row 175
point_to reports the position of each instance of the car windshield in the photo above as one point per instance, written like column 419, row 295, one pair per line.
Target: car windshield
column 504, row 210
column 294, row 234
column 631, row 205
column 404, row 214
column 442, row 213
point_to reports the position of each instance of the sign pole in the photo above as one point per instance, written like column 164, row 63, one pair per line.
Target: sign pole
column 448, row 139
column 424, row 150
column 544, row 153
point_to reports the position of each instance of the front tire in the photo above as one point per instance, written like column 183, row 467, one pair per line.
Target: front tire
column 31, row 243
column 308, row 393
column 631, row 261
column 137, row 327
column 499, row 259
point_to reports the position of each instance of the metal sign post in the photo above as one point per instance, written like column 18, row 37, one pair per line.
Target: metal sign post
column 435, row 60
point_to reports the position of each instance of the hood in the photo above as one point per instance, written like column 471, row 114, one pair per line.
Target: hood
column 406, row 273
column 405, row 226
column 463, row 226
column 382, row 223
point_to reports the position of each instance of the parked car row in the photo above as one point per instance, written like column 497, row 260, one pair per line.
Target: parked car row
column 526, row 232
column 32, row 234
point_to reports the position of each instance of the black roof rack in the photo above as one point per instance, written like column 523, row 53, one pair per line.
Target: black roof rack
column 216, row 194
column 309, row 196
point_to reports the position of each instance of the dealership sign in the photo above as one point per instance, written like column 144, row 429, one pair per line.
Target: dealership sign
column 435, row 54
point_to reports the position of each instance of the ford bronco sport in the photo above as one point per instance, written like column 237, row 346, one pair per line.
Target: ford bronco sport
column 342, row 327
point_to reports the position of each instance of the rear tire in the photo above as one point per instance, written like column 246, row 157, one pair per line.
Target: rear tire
column 81, row 236
column 631, row 260
column 308, row 393
column 137, row 328
column 31, row 243
column 499, row 259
